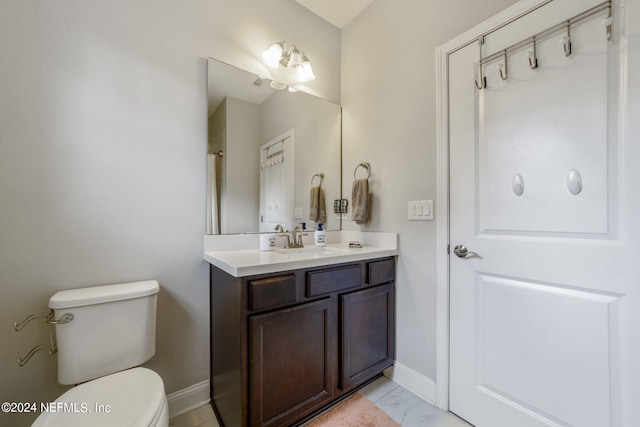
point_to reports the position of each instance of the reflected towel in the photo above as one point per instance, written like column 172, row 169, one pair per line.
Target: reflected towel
column 317, row 208
column 360, row 200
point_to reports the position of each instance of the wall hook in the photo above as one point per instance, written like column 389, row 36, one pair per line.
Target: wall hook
column 479, row 70
column 532, row 56
column 566, row 41
column 483, row 79
column 608, row 22
column 503, row 69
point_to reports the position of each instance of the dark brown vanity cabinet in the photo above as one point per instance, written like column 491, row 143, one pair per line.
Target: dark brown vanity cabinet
column 286, row 345
column 366, row 334
column 290, row 362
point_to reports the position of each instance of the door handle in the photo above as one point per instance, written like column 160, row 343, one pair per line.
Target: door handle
column 461, row 251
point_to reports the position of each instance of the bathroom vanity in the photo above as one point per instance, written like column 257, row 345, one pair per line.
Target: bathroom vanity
column 288, row 342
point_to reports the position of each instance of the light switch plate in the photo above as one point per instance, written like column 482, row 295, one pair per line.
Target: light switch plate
column 420, row 210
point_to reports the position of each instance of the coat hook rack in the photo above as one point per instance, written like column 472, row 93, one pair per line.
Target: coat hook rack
column 531, row 55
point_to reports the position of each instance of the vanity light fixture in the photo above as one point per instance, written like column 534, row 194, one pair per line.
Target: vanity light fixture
column 290, row 58
column 277, row 85
column 281, row 86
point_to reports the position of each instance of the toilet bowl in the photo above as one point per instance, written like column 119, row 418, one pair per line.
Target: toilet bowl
column 134, row 397
column 103, row 334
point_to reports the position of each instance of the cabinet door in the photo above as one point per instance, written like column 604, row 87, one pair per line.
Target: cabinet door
column 291, row 363
column 367, row 334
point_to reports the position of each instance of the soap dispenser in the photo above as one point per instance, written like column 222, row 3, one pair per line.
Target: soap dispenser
column 319, row 237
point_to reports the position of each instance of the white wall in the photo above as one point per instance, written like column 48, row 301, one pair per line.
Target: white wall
column 103, row 127
column 388, row 98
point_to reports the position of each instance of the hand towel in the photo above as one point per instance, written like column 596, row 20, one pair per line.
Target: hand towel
column 317, row 208
column 360, row 200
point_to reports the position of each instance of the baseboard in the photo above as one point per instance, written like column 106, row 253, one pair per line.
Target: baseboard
column 197, row 395
column 423, row 387
column 189, row 398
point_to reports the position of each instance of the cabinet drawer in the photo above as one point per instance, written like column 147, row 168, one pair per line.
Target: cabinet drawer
column 381, row 271
column 326, row 281
column 272, row 292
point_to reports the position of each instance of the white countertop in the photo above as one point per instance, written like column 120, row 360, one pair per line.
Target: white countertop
column 245, row 262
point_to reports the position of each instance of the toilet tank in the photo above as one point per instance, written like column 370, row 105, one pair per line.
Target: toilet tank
column 113, row 328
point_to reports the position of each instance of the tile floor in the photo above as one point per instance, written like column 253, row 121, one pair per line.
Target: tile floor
column 399, row 403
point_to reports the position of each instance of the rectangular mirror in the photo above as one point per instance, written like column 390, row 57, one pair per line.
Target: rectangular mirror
column 267, row 150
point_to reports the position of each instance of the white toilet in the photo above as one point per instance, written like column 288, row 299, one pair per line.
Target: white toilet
column 103, row 333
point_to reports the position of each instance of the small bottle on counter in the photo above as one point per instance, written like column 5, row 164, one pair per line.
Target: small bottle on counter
column 319, row 237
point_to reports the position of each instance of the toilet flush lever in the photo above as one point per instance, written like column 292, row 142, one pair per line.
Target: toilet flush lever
column 66, row 318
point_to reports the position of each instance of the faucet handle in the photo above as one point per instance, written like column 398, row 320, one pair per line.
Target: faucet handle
column 299, row 242
column 287, row 242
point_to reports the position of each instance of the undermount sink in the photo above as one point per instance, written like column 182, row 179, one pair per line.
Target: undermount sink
column 318, row 250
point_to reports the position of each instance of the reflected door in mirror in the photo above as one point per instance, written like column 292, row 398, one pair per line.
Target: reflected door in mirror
column 276, row 178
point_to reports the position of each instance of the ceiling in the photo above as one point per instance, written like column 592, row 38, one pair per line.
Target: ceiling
column 241, row 84
column 338, row 12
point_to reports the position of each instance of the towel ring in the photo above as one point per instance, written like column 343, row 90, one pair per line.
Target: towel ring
column 364, row 165
column 321, row 175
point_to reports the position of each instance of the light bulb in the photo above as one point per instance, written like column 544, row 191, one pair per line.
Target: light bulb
column 305, row 73
column 295, row 57
column 272, row 55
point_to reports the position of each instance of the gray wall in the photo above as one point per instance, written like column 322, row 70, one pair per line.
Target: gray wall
column 103, row 120
column 240, row 198
column 103, row 133
column 388, row 99
column 316, row 148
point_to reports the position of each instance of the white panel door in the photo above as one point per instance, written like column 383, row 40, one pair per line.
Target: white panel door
column 276, row 183
column 543, row 306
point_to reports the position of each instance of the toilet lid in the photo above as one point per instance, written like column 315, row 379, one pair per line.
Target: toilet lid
column 129, row 398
